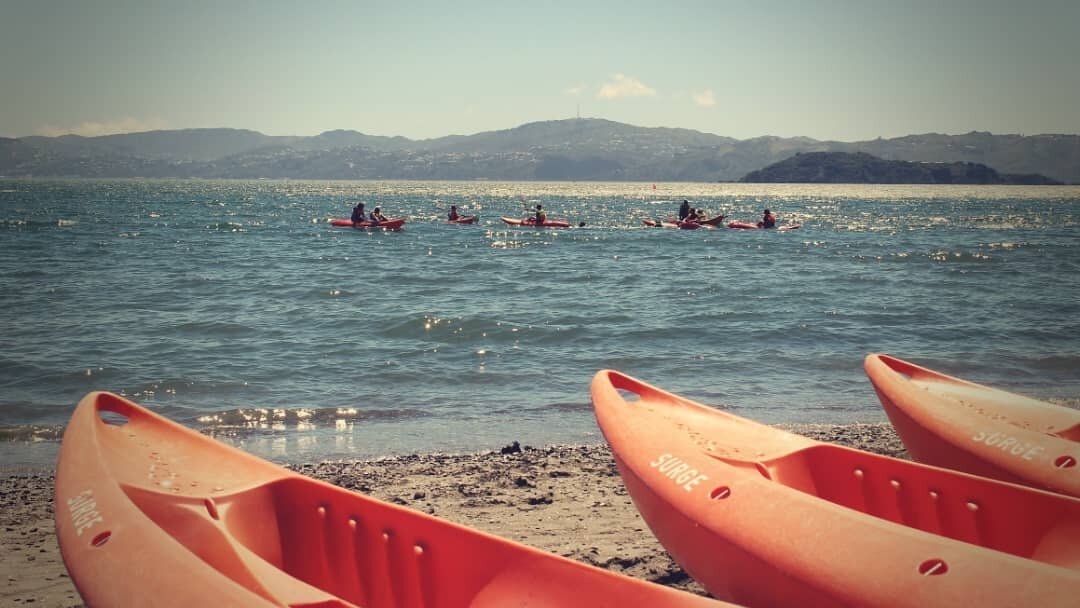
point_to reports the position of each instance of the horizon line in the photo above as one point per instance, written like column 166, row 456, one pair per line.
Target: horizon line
column 579, row 118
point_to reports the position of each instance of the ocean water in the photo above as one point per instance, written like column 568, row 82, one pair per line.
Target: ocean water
column 234, row 308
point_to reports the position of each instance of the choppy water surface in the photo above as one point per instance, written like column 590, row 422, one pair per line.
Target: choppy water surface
column 232, row 306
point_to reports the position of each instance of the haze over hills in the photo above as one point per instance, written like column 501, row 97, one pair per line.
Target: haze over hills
column 571, row 149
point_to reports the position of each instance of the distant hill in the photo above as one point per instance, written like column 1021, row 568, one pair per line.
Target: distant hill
column 571, row 149
column 863, row 168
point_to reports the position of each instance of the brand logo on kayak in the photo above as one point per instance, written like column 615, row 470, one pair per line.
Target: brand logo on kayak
column 679, row 471
column 84, row 513
column 1008, row 443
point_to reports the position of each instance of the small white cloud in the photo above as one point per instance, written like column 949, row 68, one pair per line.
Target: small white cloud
column 94, row 129
column 705, row 98
column 624, row 86
column 575, row 90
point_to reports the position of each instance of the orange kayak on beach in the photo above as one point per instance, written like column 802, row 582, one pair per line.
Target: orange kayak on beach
column 765, row 517
column 949, row 422
column 150, row 513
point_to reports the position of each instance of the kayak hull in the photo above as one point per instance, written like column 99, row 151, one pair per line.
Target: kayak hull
column 532, row 222
column 669, row 223
column 749, row 226
column 393, row 224
column 764, row 517
column 149, row 513
column 949, row 422
column 470, row 219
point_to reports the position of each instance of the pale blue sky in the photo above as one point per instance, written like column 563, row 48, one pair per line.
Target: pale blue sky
column 842, row 70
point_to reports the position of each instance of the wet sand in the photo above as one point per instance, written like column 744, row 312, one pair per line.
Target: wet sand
column 567, row 500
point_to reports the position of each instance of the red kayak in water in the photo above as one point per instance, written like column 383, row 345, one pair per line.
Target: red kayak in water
column 467, row 219
column 673, row 223
column 532, row 222
column 393, row 224
column 749, row 226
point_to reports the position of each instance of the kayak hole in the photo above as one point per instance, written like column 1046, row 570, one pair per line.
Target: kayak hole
column 211, row 508
column 387, row 534
column 720, row 493
column 101, row 539
column 418, row 549
column 933, row 567
column 1065, row 462
column 112, row 418
column 353, row 523
column 322, row 511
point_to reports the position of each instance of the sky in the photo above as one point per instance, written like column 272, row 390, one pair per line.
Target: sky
column 831, row 70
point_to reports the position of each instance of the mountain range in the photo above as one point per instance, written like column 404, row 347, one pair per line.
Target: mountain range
column 570, row 149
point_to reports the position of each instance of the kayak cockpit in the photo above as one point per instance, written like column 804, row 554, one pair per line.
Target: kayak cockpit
column 997, row 516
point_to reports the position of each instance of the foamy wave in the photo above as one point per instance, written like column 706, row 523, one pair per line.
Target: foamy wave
column 261, row 417
column 31, row 432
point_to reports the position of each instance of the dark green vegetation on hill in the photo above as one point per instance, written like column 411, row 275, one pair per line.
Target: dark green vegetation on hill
column 572, row 149
column 863, row 168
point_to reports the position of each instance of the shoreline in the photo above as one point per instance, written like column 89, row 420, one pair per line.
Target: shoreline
column 565, row 499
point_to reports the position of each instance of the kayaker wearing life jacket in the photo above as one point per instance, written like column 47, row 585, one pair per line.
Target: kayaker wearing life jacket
column 684, row 209
column 453, row 215
column 541, row 217
column 768, row 220
column 376, row 217
column 358, row 214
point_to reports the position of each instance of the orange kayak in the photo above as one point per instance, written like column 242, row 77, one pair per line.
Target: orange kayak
column 150, row 513
column 961, row 425
column 767, row 518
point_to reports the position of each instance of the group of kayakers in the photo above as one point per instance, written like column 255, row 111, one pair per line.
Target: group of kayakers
column 539, row 216
column 689, row 214
column 375, row 218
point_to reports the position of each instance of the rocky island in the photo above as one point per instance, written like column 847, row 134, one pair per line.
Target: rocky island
column 863, row 168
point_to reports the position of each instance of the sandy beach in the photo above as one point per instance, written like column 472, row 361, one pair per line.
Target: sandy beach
column 567, row 500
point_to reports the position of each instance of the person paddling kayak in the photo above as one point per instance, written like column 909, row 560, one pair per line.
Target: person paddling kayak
column 768, row 220
column 453, row 215
column 376, row 217
column 358, row 214
column 684, row 209
column 540, row 216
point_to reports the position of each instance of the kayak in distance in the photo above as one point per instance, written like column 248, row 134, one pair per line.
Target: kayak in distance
column 532, row 222
column 750, row 226
column 468, row 219
column 713, row 221
column 764, row 517
column 151, row 513
column 393, row 224
column 949, row 422
column 673, row 223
